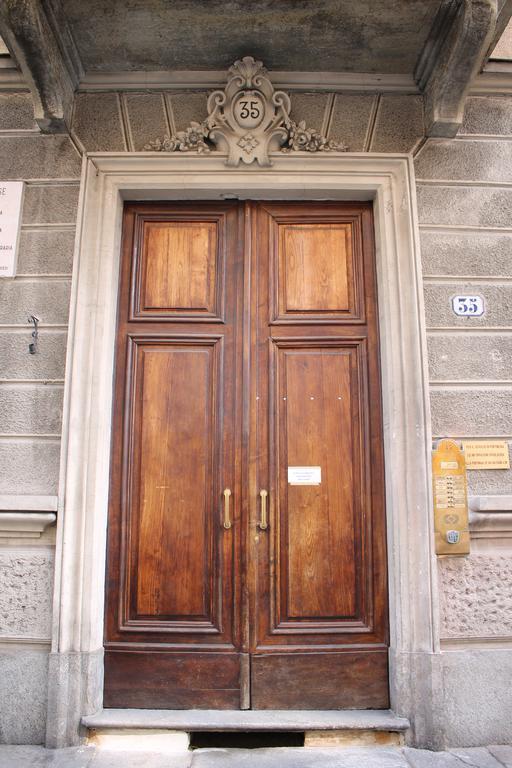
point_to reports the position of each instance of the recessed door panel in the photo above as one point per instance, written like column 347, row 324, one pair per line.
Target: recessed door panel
column 316, row 266
column 313, row 268
column 179, row 267
column 174, row 466
column 319, row 426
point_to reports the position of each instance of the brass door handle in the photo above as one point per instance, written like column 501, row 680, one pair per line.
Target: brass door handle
column 263, row 523
column 227, row 521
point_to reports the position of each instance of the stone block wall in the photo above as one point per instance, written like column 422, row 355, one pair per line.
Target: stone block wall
column 465, row 213
column 476, row 596
column 365, row 122
column 31, row 389
column 31, row 386
column 26, row 579
column 464, row 193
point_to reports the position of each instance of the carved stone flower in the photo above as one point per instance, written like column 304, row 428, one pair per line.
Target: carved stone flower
column 303, row 139
column 167, row 144
column 248, row 143
column 193, row 139
column 299, row 136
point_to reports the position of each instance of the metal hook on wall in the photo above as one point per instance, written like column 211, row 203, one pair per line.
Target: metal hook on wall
column 32, row 347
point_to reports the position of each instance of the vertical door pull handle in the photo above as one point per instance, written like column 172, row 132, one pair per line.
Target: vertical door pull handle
column 263, row 524
column 227, row 520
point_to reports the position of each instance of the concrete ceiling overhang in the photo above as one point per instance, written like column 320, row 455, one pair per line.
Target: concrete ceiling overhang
column 436, row 46
column 368, row 36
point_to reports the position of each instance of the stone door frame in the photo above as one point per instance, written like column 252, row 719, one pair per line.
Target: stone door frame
column 76, row 659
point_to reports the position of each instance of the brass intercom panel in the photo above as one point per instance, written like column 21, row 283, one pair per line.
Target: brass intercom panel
column 451, row 520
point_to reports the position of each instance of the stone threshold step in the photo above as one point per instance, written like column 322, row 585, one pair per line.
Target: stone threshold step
column 247, row 720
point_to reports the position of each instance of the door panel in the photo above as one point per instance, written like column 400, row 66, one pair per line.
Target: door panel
column 176, row 412
column 317, row 421
column 316, row 268
column 185, row 278
column 319, row 636
column 313, row 268
column 321, row 680
column 173, row 571
column 163, row 679
column 179, row 266
column 247, row 344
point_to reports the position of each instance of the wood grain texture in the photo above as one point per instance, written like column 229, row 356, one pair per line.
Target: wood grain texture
column 175, row 394
column 179, row 265
column 348, row 680
column 171, row 680
column 178, row 269
column 173, row 572
column 319, row 580
column 316, row 264
column 313, row 267
column 286, row 373
column 317, row 417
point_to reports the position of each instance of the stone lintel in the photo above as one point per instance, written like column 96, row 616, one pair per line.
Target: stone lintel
column 452, row 57
column 27, row 31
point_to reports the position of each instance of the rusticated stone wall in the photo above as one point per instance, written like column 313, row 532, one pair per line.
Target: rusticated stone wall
column 31, row 386
column 26, row 576
column 465, row 211
column 465, row 214
column 476, row 596
column 31, row 389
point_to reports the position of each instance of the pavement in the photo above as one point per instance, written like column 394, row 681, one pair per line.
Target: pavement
column 281, row 757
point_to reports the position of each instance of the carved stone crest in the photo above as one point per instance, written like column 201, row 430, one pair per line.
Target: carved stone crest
column 248, row 120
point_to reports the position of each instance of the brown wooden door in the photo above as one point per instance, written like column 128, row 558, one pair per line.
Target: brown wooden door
column 319, row 636
column 173, row 590
column 247, row 362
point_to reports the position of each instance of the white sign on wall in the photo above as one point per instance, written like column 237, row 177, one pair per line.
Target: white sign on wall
column 468, row 306
column 11, row 199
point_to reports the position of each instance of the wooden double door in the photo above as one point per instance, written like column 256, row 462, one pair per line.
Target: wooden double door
column 246, row 543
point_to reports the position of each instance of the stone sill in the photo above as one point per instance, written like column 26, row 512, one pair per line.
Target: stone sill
column 476, row 643
column 490, row 516
column 247, row 720
column 26, row 517
column 487, row 504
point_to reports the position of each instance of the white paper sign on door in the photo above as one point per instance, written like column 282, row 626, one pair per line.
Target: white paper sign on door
column 304, row 475
column 11, row 198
